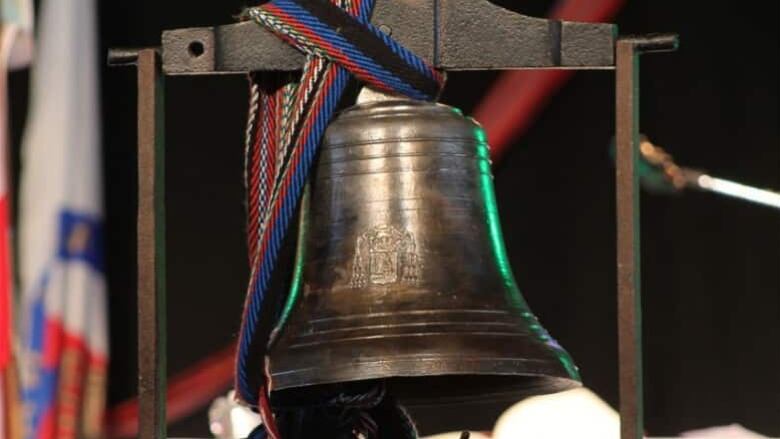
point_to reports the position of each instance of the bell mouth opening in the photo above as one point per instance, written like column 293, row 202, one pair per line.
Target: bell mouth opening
column 438, row 403
column 435, row 391
column 468, row 389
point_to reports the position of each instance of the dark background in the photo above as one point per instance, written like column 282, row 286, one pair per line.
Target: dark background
column 711, row 265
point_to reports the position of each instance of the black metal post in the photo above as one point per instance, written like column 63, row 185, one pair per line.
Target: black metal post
column 628, row 259
column 629, row 314
column 151, row 248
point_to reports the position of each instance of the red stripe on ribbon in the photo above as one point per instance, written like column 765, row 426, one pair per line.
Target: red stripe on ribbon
column 331, row 50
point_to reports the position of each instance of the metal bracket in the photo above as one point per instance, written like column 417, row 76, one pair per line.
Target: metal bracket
column 450, row 34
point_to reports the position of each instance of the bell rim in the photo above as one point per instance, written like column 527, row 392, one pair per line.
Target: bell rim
column 555, row 375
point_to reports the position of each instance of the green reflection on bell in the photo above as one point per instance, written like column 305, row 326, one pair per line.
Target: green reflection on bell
column 502, row 260
column 297, row 273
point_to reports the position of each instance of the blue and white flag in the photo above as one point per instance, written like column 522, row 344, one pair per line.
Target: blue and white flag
column 62, row 280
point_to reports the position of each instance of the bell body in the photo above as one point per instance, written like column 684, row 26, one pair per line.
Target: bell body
column 404, row 274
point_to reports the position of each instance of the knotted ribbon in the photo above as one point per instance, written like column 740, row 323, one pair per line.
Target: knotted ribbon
column 287, row 120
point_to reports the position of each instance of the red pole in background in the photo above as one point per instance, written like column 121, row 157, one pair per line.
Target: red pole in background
column 517, row 97
column 188, row 392
column 506, row 112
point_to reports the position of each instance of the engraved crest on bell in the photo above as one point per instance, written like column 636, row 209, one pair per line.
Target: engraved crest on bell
column 385, row 255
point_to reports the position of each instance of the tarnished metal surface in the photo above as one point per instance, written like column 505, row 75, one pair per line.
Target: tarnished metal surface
column 479, row 35
column 627, row 192
column 451, row 34
column 405, row 274
column 123, row 57
column 628, row 245
column 235, row 48
column 151, row 249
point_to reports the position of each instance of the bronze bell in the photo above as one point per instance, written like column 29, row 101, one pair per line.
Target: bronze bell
column 403, row 272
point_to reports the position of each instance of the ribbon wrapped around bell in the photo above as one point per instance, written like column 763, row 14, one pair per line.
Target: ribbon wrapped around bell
column 403, row 275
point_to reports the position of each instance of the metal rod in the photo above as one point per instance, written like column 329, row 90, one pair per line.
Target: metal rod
column 628, row 246
column 627, row 155
column 151, row 248
column 733, row 189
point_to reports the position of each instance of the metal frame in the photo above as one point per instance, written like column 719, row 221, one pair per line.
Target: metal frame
column 152, row 332
column 449, row 34
column 151, row 247
column 244, row 47
column 629, row 315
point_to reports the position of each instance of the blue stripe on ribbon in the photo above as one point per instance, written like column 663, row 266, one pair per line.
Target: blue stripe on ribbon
column 364, row 61
column 279, row 228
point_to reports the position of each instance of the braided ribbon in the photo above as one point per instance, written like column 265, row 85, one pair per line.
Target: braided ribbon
column 286, row 123
column 320, row 28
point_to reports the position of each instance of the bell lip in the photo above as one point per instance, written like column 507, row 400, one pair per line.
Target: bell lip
column 543, row 385
column 522, row 386
column 545, row 373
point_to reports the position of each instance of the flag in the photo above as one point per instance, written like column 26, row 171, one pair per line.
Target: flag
column 15, row 52
column 61, row 268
